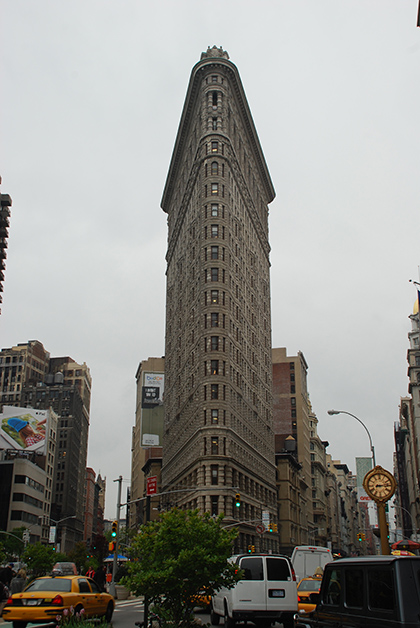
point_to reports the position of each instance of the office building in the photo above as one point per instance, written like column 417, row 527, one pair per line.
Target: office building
column 30, row 378
column 218, row 437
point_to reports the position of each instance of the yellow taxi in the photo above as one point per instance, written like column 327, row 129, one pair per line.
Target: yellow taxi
column 304, row 589
column 45, row 598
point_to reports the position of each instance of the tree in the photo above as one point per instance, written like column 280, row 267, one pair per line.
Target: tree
column 80, row 556
column 179, row 556
column 39, row 558
column 12, row 542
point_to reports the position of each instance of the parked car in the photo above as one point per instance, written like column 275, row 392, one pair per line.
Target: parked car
column 367, row 592
column 305, row 588
column 306, row 559
column 45, row 598
column 267, row 593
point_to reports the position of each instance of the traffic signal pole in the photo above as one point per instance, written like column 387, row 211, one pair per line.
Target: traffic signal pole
column 114, row 563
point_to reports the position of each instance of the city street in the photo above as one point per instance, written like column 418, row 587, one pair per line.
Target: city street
column 126, row 613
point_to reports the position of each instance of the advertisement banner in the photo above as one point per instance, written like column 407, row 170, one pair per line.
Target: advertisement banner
column 152, row 413
column 152, row 390
column 23, row 429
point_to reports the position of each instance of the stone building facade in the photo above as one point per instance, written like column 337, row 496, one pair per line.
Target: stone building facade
column 218, row 436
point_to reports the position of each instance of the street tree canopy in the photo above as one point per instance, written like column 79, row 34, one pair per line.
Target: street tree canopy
column 39, row 558
column 179, row 556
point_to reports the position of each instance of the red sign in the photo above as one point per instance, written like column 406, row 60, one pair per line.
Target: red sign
column 151, row 485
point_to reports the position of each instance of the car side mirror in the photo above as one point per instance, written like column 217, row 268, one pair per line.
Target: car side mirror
column 314, row 598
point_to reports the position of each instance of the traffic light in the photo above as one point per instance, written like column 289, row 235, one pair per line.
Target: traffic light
column 274, row 527
column 238, row 500
column 360, row 537
column 111, row 546
column 249, row 549
column 252, row 549
column 114, row 528
column 363, row 536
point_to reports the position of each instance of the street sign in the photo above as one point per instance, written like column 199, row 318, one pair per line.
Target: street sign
column 151, row 485
column 260, row 528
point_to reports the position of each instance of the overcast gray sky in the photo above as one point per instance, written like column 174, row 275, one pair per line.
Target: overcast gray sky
column 92, row 92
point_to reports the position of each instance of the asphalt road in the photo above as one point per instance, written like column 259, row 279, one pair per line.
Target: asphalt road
column 126, row 614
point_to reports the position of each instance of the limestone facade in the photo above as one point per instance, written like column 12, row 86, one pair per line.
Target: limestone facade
column 218, row 436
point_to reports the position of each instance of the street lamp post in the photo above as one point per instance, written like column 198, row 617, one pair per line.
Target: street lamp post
column 413, row 526
column 56, row 526
column 372, row 449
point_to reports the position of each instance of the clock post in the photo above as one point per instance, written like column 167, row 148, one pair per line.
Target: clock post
column 380, row 485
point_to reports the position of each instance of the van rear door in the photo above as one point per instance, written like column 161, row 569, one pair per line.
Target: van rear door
column 281, row 590
column 250, row 593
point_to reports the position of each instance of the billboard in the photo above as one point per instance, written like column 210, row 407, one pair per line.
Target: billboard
column 23, row 429
column 152, row 410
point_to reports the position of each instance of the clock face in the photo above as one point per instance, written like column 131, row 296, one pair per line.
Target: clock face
column 380, row 485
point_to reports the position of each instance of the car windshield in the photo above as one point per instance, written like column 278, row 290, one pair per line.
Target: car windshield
column 50, row 584
column 309, row 585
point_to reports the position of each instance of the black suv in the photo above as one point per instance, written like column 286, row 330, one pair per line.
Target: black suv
column 365, row 592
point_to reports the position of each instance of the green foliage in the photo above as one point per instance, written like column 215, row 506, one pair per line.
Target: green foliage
column 12, row 543
column 176, row 558
column 80, row 556
column 39, row 558
column 2, row 554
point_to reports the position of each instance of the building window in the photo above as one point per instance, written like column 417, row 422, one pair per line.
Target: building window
column 215, row 416
column 214, row 505
column 214, row 252
column 214, row 469
column 293, row 401
column 215, row 319
column 215, row 445
column 214, row 367
column 214, row 343
column 214, row 124
column 215, row 188
column 215, row 209
column 215, row 231
column 214, row 80
column 214, row 168
column 214, row 147
column 294, row 413
column 214, row 296
column 292, row 389
column 214, row 99
column 214, row 389
column 214, row 274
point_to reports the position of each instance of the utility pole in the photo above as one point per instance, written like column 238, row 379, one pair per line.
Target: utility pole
column 114, row 564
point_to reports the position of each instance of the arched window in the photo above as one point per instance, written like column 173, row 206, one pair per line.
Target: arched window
column 214, row 167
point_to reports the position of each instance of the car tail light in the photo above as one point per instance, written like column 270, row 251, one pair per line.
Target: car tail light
column 299, row 598
column 9, row 601
column 293, row 573
column 57, row 601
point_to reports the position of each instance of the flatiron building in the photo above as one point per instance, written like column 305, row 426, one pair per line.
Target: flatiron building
column 218, row 442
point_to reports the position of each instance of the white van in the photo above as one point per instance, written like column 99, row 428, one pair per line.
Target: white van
column 307, row 558
column 266, row 594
